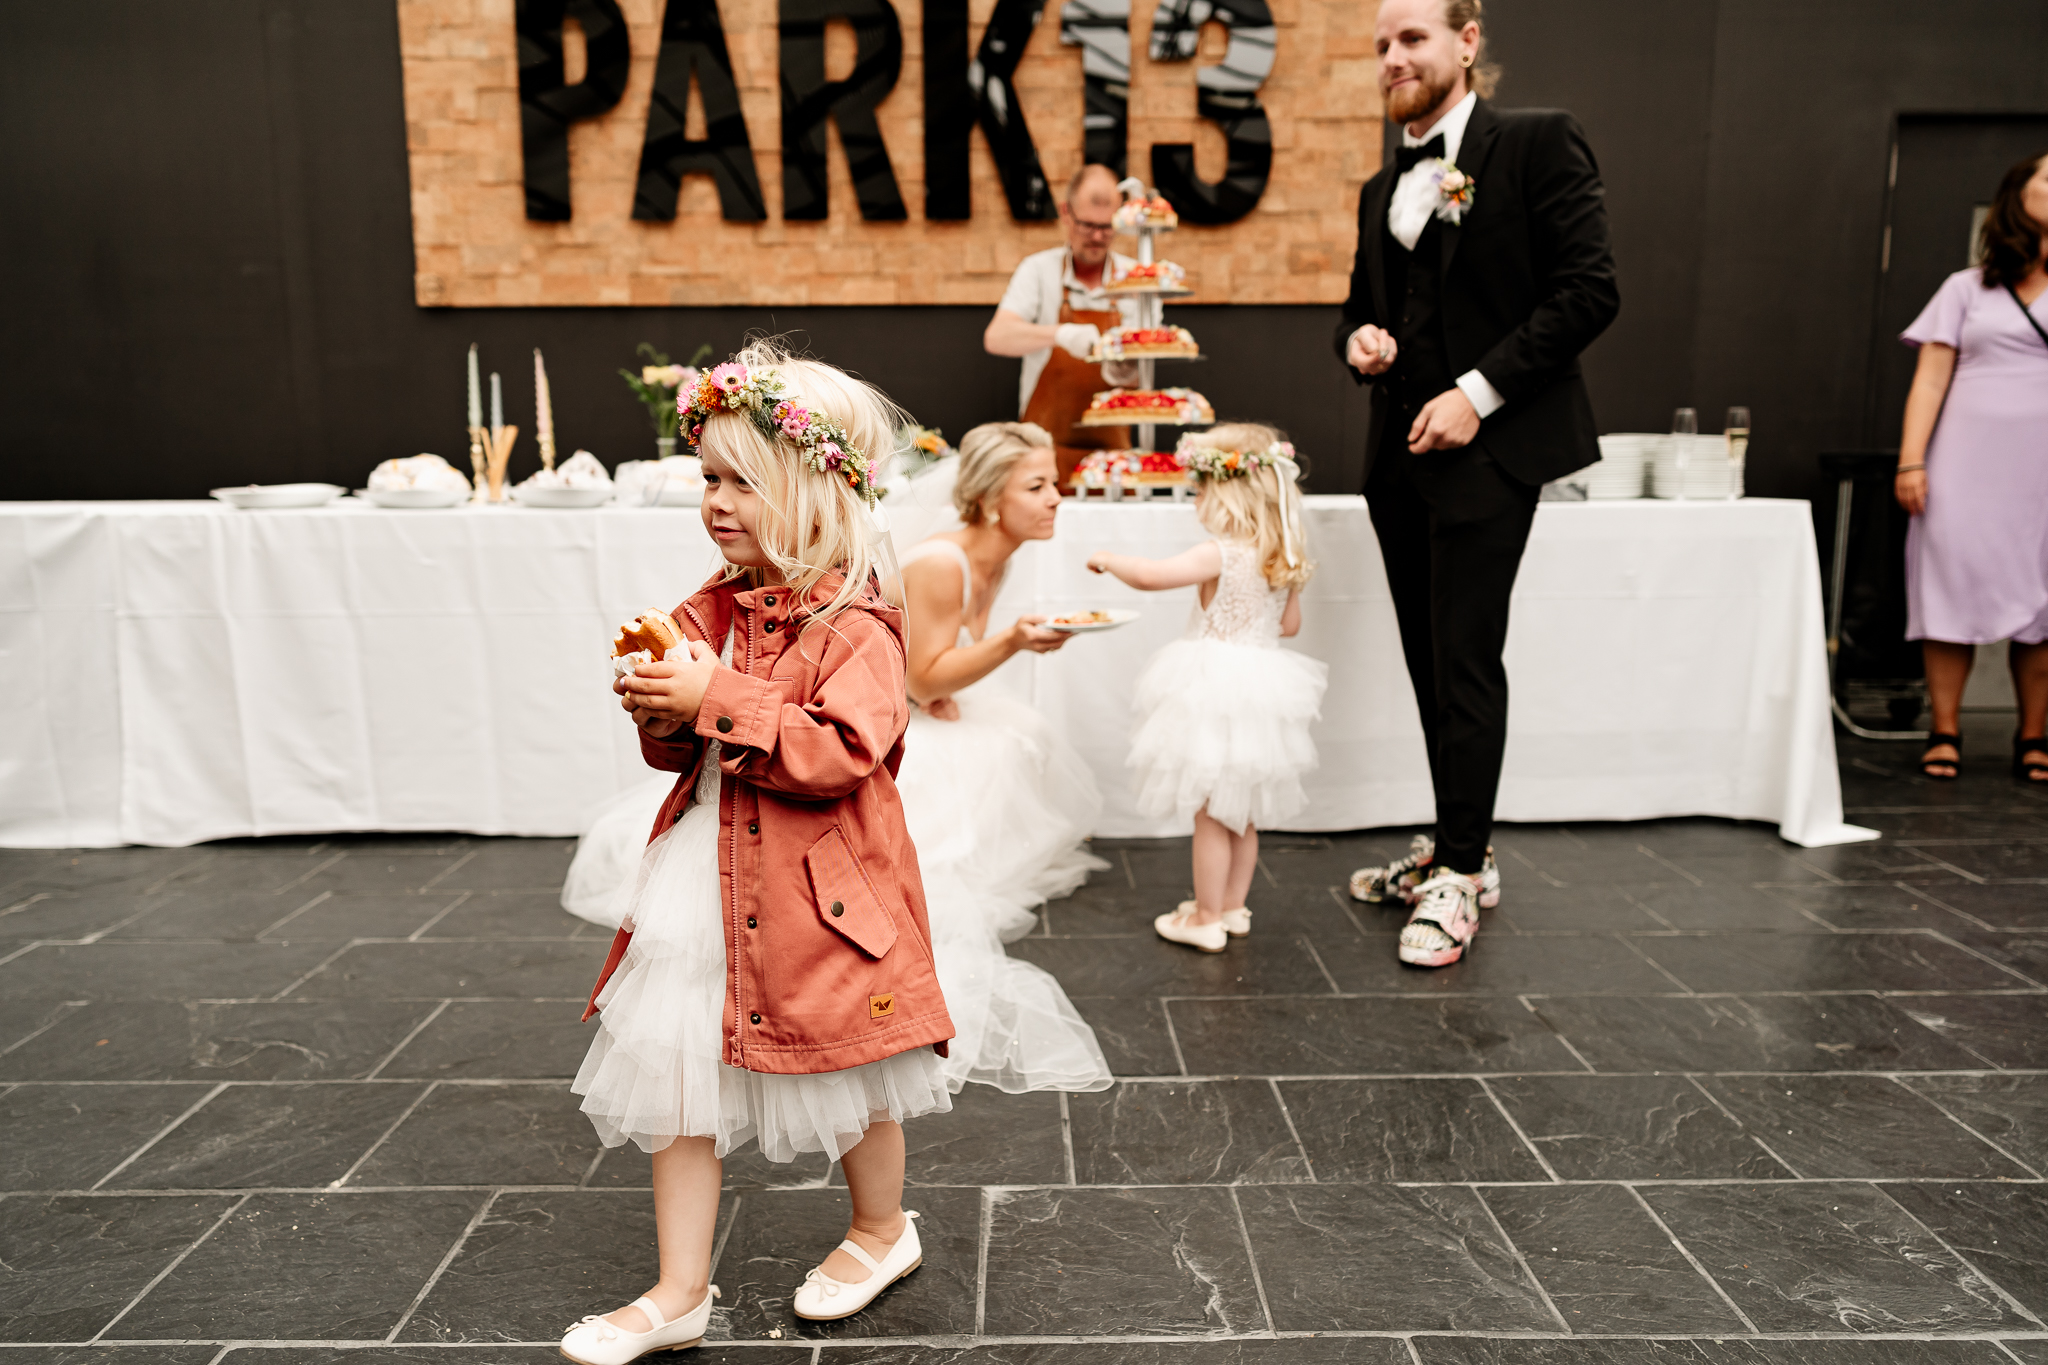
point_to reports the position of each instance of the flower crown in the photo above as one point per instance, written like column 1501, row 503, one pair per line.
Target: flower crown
column 762, row 398
column 1210, row 462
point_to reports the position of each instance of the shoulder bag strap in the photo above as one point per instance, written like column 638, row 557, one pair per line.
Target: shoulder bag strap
column 2028, row 313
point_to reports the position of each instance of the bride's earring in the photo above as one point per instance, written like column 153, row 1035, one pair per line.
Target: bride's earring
column 995, row 518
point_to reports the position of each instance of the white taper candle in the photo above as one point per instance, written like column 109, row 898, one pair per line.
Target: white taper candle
column 476, row 402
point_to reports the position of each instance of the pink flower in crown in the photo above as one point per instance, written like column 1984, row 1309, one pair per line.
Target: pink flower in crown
column 794, row 421
column 729, row 378
column 831, row 454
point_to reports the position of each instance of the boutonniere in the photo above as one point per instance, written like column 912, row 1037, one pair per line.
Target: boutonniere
column 1453, row 192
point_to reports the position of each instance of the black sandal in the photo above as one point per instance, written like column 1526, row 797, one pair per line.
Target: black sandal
column 2036, row 771
column 1954, row 765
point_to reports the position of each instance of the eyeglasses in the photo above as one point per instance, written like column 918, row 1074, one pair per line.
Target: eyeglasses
column 1099, row 229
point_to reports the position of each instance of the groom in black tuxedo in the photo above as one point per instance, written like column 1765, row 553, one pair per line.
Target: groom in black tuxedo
column 1470, row 303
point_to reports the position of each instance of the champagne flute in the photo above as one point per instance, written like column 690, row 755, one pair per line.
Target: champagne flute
column 1685, row 424
column 1737, row 428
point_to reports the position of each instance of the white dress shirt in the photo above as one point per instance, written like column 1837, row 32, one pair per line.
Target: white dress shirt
column 1408, row 212
column 1043, row 280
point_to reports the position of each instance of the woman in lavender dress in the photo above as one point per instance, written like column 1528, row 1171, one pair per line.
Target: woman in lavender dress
column 1973, row 471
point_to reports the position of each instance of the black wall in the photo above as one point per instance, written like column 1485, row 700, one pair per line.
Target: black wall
column 206, row 259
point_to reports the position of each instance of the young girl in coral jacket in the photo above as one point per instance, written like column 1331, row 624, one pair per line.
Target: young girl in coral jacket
column 774, row 980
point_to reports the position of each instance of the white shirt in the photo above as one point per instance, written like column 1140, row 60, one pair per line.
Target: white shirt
column 1042, row 281
column 1408, row 212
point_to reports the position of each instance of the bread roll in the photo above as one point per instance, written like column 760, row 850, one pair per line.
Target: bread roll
column 651, row 632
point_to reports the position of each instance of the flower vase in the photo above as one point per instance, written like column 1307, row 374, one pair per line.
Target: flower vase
column 664, row 447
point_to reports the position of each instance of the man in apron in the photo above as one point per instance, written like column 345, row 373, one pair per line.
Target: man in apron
column 1053, row 313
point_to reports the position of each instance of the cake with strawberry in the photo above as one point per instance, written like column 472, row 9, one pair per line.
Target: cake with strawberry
column 1141, row 211
column 1127, row 407
column 1130, row 343
column 1135, row 468
column 1158, row 277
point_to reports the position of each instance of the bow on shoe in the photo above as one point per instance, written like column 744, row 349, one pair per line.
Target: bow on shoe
column 606, row 1330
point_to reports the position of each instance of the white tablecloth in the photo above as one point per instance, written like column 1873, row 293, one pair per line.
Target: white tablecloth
column 182, row 671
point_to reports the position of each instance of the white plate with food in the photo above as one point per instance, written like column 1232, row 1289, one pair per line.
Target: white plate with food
column 1075, row 622
column 415, row 497
column 562, row 497
column 264, row 495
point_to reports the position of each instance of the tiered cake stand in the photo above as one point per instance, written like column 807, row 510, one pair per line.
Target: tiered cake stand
column 1151, row 314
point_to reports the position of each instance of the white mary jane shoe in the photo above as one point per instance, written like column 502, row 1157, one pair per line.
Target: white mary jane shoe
column 594, row 1341
column 1236, row 923
column 1178, row 926
column 823, row 1299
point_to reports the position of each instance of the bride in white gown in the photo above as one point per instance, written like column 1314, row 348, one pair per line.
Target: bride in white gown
column 997, row 802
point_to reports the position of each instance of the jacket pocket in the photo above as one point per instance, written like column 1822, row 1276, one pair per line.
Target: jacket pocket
column 846, row 899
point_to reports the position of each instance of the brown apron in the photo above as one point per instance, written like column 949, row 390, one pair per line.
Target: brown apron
column 1065, row 388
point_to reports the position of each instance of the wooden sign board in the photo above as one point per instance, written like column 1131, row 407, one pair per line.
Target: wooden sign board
column 496, row 224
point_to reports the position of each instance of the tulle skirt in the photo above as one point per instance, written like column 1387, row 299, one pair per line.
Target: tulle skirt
column 998, row 804
column 654, row 1071
column 1226, row 726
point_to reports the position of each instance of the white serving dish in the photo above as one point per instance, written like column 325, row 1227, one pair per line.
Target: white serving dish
column 678, row 494
column 415, row 497
column 562, row 497
column 1119, row 616
column 270, row 495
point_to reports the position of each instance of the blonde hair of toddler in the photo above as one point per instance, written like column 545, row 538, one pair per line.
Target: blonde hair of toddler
column 1249, row 507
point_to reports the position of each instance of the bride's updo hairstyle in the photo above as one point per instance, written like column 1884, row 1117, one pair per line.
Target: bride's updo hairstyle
column 814, row 524
column 988, row 454
column 1249, row 506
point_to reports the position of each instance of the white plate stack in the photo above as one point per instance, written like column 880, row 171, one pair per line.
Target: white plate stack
column 1619, row 474
column 1709, row 473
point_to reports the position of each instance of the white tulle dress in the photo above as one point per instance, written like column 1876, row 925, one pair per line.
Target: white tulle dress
column 654, row 1071
column 1224, row 711
column 998, row 805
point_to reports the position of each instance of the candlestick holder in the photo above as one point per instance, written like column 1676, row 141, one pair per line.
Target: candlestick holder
column 479, row 444
column 501, row 455
column 547, row 450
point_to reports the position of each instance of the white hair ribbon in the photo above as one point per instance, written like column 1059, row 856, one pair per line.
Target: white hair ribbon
column 1285, row 473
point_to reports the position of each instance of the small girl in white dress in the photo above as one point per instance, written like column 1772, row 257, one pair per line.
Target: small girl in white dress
column 1224, row 712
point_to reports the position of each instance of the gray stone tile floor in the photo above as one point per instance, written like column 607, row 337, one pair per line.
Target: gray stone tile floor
column 1698, row 1096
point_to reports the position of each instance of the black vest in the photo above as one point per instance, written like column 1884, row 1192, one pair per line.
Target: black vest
column 1422, row 368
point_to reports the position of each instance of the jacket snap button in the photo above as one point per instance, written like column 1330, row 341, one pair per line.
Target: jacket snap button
column 767, row 601
column 753, row 827
column 751, row 922
column 838, row 909
column 770, row 627
column 725, row 725
column 755, row 1017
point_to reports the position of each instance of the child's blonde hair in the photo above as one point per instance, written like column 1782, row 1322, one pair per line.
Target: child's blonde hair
column 814, row 524
column 1250, row 506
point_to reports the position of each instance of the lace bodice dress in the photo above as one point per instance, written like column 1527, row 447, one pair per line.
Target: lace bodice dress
column 1224, row 712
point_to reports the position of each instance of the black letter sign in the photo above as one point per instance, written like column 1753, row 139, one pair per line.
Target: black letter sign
column 692, row 40
column 952, row 106
column 1226, row 94
column 808, row 98
column 547, row 106
column 1102, row 30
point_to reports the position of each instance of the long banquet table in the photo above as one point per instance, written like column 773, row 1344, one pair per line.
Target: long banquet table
column 182, row 671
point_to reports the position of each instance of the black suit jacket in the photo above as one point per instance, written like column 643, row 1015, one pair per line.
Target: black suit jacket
column 1527, row 283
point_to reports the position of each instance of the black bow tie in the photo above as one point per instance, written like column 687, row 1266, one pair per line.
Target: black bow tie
column 1407, row 158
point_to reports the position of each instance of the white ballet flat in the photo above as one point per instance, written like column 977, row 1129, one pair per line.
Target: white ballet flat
column 820, row 1298
column 1178, row 926
column 594, row 1341
column 1236, row 923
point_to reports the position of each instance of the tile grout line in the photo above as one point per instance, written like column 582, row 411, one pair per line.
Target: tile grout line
column 1252, row 1258
column 1655, row 856
column 318, row 967
column 1173, row 1036
column 1941, row 937
column 405, row 1042
column 591, row 1169
column 1962, row 1260
column 310, row 872
column 1067, row 1137
column 988, row 1218
column 64, row 1012
column 475, row 1220
column 220, row 1355
column 263, row 933
column 176, row 1261
column 1521, row 1260
column 161, row 1134
column 1578, row 1056
column 1742, row 1127
column 1414, row 1355
column 732, row 1220
column 1514, row 1123
column 1945, row 1112
column 1628, row 940
column 1305, row 941
column 1299, row 1145
column 1693, row 1260
column 385, row 1136
column 1944, row 863
column 1123, row 855
column 461, row 898
column 452, row 868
